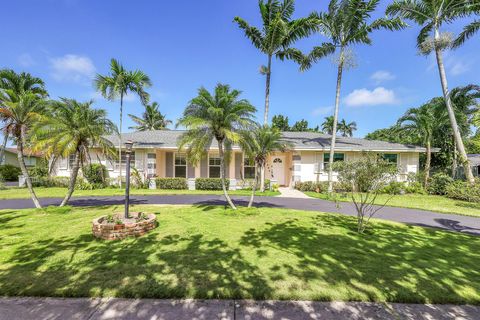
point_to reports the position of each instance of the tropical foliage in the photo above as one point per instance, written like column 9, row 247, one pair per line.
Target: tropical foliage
column 220, row 116
column 152, row 119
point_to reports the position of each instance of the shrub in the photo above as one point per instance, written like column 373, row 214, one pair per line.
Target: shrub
column 461, row 190
column 210, row 183
column 38, row 171
column 415, row 187
column 48, row 182
column 95, row 173
column 311, row 186
column 247, row 184
column 9, row 172
column 394, row 187
column 171, row 183
column 438, row 183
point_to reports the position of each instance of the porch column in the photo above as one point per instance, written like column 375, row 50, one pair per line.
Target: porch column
column 160, row 163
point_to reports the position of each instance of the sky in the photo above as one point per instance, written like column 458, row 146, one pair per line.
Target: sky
column 185, row 44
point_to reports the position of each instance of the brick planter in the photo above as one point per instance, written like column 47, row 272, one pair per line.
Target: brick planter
column 131, row 228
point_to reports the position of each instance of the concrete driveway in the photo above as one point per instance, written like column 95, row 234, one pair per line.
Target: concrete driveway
column 451, row 222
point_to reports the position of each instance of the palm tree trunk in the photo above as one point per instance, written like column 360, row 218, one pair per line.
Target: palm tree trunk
column 73, row 179
column 222, row 174
column 23, row 167
column 254, row 186
column 120, row 143
column 451, row 114
column 454, row 161
column 335, row 120
column 262, row 177
column 427, row 163
column 4, row 145
column 267, row 90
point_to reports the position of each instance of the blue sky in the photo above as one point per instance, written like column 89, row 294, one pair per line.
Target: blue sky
column 183, row 45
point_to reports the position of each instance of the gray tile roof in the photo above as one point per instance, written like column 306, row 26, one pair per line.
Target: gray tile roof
column 474, row 159
column 300, row 141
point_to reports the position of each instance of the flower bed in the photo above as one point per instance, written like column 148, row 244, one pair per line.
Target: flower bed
column 115, row 227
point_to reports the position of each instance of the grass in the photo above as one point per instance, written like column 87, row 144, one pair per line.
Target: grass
column 435, row 203
column 42, row 192
column 211, row 252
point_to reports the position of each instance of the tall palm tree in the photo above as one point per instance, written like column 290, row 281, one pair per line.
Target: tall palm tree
column 116, row 86
column 431, row 15
column 347, row 129
column 15, row 84
column 18, row 116
column 346, row 23
column 278, row 33
column 327, row 125
column 152, row 119
column 219, row 117
column 421, row 123
column 257, row 145
column 72, row 129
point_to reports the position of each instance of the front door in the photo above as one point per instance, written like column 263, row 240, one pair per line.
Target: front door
column 278, row 169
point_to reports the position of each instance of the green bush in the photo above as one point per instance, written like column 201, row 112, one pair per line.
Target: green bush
column 438, row 183
column 415, row 187
column 210, row 184
column 95, row 173
column 49, row 182
column 9, row 172
column 171, row 183
column 394, row 187
column 461, row 190
column 38, row 171
column 311, row 186
column 247, row 184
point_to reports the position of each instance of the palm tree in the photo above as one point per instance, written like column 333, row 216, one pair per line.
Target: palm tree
column 72, row 129
column 327, row 125
column 19, row 115
column 278, row 33
column 220, row 116
column 346, row 23
column 116, row 86
column 431, row 15
column 257, row 145
column 152, row 119
column 421, row 123
column 347, row 129
column 14, row 85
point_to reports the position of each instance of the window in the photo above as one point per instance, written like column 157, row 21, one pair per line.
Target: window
column 214, row 166
column 71, row 161
column 180, row 165
column 248, row 169
column 336, row 157
column 390, row 157
column 151, row 164
column 124, row 160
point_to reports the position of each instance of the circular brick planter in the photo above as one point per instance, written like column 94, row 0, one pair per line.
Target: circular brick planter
column 133, row 227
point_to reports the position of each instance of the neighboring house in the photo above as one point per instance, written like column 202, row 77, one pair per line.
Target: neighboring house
column 474, row 160
column 156, row 154
column 10, row 157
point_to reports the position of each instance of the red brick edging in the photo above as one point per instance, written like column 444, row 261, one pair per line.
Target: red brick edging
column 113, row 231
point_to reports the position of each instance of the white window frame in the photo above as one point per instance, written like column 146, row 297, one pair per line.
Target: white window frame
column 249, row 166
column 179, row 154
column 219, row 166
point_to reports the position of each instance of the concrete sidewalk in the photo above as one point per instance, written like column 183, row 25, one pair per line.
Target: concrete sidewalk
column 107, row 309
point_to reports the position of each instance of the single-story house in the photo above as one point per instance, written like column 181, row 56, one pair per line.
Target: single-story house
column 10, row 157
column 156, row 155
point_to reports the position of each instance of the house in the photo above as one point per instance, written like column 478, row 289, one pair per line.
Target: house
column 10, row 157
column 156, row 155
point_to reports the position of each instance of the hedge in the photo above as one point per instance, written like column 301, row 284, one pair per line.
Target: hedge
column 461, row 190
column 311, row 186
column 95, row 173
column 171, row 183
column 438, row 183
column 9, row 172
column 210, row 184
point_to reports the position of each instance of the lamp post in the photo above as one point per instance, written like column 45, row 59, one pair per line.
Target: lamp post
column 128, row 152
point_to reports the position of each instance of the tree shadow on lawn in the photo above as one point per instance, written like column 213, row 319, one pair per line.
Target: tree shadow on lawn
column 389, row 263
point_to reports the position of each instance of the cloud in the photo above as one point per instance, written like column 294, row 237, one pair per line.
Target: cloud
column 73, row 68
column 365, row 97
column 382, row 76
column 458, row 67
column 321, row 111
column 25, row 60
column 454, row 65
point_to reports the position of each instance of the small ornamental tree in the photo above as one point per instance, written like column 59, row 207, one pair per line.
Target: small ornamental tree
column 366, row 177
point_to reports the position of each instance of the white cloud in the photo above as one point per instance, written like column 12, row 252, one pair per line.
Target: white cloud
column 321, row 111
column 382, row 76
column 25, row 60
column 71, row 67
column 365, row 97
column 458, row 67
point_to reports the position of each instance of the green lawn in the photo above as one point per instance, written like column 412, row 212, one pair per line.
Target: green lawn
column 210, row 252
column 417, row 201
column 19, row 193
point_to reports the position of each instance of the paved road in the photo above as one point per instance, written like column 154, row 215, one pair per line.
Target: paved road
column 450, row 222
column 149, row 309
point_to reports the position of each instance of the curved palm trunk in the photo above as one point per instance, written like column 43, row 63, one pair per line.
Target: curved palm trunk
column 120, row 143
column 73, row 179
column 23, row 167
column 454, row 160
column 451, row 114
column 335, row 120
column 222, row 174
column 267, row 90
column 254, row 187
column 427, row 163
column 4, row 145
